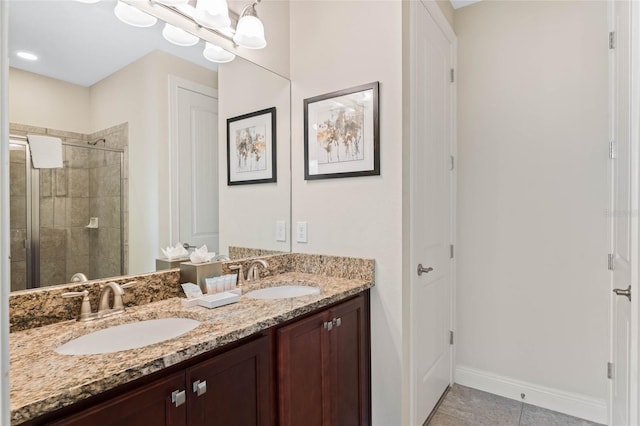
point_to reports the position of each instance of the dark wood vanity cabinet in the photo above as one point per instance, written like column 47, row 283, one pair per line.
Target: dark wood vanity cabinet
column 233, row 388
column 309, row 371
column 238, row 388
column 323, row 367
column 147, row 405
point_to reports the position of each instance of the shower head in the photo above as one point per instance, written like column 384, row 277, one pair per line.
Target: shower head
column 103, row 140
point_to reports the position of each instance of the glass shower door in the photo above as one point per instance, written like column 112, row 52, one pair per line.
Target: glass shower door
column 19, row 215
column 68, row 220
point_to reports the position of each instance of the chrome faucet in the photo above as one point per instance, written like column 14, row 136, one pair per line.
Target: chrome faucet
column 117, row 290
column 252, row 271
column 104, row 309
column 254, row 266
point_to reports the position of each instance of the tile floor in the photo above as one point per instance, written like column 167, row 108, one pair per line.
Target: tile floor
column 464, row 406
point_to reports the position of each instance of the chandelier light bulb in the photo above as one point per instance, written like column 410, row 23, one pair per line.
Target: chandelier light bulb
column 217, row 54
column 179, row 36
column 250, row 30
column 212, row 14
column 172, row 2
column 132, row 16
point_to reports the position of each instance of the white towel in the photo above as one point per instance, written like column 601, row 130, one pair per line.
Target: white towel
column 46, row 152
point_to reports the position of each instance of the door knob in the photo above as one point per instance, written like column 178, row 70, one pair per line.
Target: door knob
column 623, row 292
column 421, row 269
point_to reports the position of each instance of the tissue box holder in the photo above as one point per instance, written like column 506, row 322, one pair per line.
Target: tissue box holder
column 164, row 264
column 197, row 272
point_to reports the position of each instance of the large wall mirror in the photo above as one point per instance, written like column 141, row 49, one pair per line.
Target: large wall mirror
column 144, row 144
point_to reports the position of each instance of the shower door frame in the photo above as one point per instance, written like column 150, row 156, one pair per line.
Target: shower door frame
column 32, row 242
column 28, row 241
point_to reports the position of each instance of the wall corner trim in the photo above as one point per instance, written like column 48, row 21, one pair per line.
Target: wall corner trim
column 573, row 404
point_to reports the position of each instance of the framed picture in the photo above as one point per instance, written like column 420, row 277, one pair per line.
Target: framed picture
column 251, row 148
column 341, row 134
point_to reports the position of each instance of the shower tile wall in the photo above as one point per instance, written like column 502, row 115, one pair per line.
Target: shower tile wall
column 88, row 185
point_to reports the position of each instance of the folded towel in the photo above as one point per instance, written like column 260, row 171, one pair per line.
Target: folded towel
column 46, row 152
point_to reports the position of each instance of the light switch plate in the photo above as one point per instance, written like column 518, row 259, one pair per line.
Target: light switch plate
column 301, row 232
column 281, row 231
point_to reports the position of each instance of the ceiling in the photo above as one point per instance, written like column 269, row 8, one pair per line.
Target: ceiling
column 83, row 43
column 457, row 4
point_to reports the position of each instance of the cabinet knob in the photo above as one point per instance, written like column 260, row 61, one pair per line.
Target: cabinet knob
column 328, row 325
column 178, row 397
column 200, row 387
column 337, row 322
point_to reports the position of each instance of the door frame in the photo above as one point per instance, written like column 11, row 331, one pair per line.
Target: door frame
column 5, row 251
column 635, row 141
column 441, row 21
column 634, row 134
column 175, row 84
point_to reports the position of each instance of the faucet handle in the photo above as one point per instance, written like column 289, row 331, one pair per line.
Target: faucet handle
column 240, row 273
column 83, row 293
column 85, row 309
column 129, row 284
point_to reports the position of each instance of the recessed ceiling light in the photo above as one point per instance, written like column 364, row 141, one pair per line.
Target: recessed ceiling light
column 27, row 55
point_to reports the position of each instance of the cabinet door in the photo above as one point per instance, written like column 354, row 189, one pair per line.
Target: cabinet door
column 349, row 370
column 149, row 405
column 303, row 355
column 238, row 387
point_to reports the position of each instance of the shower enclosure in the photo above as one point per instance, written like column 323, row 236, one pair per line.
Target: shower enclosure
column 65, row 221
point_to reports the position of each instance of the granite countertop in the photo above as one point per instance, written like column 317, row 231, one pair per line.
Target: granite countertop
column 43, row 380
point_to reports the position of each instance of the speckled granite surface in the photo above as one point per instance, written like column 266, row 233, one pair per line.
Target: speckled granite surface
column 332, row 266
column 42, row 380
column 244, row 252
column 35, row 308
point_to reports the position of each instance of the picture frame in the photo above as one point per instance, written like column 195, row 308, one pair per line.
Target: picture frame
column 251, row 148
column 341, row 133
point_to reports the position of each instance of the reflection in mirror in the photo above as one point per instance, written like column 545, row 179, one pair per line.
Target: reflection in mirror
column 257, row 208
column 111, row 93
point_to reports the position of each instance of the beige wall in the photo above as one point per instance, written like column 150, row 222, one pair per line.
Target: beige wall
column 532, row 282
column 248, row 213
column 46, row 102
column 139, row 94
column 447, row 10
column 356, row 216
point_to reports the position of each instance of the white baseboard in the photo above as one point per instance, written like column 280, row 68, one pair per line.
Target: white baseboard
column 573, row 404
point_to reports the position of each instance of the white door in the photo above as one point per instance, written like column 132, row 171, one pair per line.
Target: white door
column 431, row 223
column 195, row 166
column 624, row 222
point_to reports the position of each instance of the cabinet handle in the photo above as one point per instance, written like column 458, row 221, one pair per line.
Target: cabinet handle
column 178, row 397
column 199, row 387
column 337, row 322
column 328, row 325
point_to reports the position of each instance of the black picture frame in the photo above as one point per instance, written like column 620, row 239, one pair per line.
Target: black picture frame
column 344, row 123
column 251, row 148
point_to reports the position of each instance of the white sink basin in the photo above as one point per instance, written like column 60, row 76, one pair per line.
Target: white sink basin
column 127, row 336
column 283, row 292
